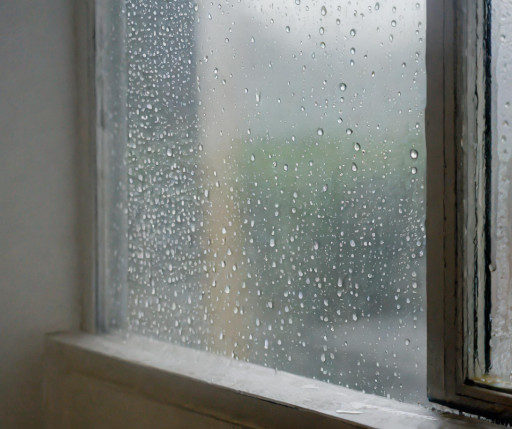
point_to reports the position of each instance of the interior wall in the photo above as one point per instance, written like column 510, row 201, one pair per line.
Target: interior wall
column 38, row 158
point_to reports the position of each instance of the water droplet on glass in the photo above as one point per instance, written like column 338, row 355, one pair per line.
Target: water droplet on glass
column 357, row 146
column 287, row 28
column 343, row 86
column 352, row 32
column 354, row 166
column 320, row 132
column 323, row 11
column 414, row 154
column 349, row 131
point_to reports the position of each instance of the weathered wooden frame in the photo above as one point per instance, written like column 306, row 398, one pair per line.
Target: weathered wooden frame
column 456, row 219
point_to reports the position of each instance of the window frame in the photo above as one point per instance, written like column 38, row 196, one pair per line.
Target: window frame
column 447, row 31
column 457, row 78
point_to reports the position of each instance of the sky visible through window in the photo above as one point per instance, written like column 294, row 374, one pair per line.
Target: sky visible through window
column 275, row 164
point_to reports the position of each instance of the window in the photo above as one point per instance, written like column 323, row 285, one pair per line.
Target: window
column 262, row 189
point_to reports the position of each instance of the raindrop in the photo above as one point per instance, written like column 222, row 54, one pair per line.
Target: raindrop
column 414, row 154
column 320, row 131
column 343, row 86
column 353, row 32
column 323, row 11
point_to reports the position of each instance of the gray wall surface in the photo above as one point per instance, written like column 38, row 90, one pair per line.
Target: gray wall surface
column 38, row 193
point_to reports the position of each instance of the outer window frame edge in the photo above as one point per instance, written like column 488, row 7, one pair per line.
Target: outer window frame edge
column 455, row 127
column 88, row 182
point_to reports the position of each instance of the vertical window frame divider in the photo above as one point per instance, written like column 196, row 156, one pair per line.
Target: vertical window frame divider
column 457, row 137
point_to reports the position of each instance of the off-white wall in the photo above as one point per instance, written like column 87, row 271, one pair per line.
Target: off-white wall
column 38, row 263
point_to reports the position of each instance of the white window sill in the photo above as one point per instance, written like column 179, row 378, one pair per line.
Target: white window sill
column 231, row 391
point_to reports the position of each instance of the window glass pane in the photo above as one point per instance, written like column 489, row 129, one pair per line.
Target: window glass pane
column 501, row 224
column 275, row 170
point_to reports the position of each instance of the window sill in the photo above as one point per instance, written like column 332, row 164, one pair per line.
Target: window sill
column 225, row 390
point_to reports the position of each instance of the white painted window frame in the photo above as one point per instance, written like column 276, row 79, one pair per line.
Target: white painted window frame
column 449, row 43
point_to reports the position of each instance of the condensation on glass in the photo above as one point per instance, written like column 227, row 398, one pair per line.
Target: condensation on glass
column 501, row 219
column 274, row 167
